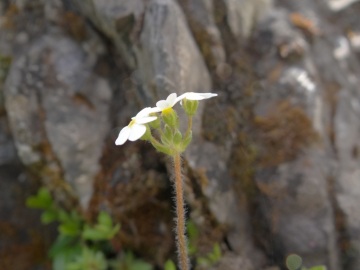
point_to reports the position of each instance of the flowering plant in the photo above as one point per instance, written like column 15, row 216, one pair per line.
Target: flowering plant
column 165, row 121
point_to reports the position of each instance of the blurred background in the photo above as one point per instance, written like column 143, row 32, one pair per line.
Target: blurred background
column 273, row 168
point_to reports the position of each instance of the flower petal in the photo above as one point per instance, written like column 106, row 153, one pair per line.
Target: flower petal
column 145, row 120
column 146, row 111
column 143, row 112
column 195, row 96
column 123, row 136
column 181, row 97
column 136, row 132
column 199, row 96
column 171, row 99
column 154, row 110
column 162, row 104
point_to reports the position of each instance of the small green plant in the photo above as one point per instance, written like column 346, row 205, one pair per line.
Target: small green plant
column 81, row 245
column 202, row 261
column 169, row 265
column 193, row 235
column 127, row 261
column 295, row 262
column 211, row 258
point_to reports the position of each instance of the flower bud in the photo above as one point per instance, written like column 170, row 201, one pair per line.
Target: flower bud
column 190, row 106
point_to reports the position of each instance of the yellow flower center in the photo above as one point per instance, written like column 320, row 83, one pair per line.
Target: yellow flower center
column 167, row 110
column 132, row 122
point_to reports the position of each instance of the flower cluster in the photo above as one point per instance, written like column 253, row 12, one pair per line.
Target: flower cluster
column 170, row 135
column 163, row 121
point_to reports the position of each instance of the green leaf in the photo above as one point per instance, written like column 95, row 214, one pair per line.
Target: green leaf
column 71, row 223
column 132, row 263
column 64, row 216
column 191, row 248
column 60, row 262
column 192, row 230
column 64, row 250
column 202, row 261
column 215, row 256
column 140, row 265
column 88, row 259
column 114, row 231
column 193, row 234
column 170, row 265
column 319, row 267
column 63, row 244
column 104, row 219
column 49, row 216
column 99, row 232
column 41, row 200
column 70, row 228
column 92, row 234
column 129, row 262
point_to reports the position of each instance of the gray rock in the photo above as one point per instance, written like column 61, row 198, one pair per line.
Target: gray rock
column 243, row 15
column 232, row 262
column 274, row 158
column 200, row 17
column 298, row 209
column 347, row 187
column 57, row 109
column 294, row 180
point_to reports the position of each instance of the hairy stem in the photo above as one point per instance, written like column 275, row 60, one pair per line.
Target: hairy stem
column 180, row 212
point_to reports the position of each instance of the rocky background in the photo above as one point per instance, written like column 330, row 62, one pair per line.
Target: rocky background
column 274, row 166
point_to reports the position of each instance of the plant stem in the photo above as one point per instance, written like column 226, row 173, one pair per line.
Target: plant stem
column 180, row 212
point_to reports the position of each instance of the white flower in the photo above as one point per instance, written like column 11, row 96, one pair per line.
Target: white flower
column 136, row 128
column 172, row 99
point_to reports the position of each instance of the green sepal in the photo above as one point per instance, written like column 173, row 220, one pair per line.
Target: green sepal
column 156, row 123
column 177, row 138
column 164, row 149
column 186, row 141
column 190, row 106
column 170, row 117
column 147, row 134
column 167, row 136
